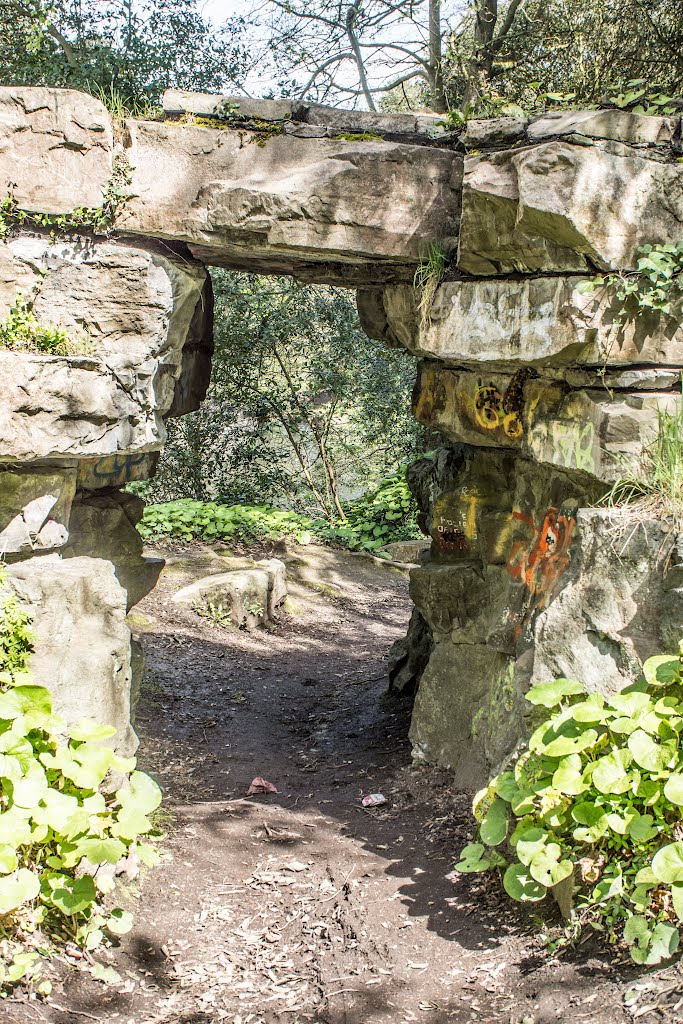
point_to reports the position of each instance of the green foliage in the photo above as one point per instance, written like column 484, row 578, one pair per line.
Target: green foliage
column 653, row 286
column 302, row 407
column 428, row 277
column 22, row 331
column 97, row 219
column 121, row 107
column 187, row 520
column 16, row 639
column 590, row 811
column 61, row 838
column 642, row 98
column 384, row 515
column 138, row 50
column 567, row 52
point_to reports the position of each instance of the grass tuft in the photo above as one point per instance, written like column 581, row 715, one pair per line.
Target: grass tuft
column 428, row 277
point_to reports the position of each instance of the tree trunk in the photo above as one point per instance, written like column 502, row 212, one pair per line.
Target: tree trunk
column 482, row 59
column 438, row 96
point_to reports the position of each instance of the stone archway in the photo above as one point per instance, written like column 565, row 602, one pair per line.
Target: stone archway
column 538, row 391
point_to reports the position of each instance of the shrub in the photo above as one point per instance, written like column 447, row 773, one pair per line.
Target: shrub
column 591, row 811
column 62, row 839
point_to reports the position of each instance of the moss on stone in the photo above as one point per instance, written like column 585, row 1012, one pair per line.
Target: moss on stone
column 359, row 137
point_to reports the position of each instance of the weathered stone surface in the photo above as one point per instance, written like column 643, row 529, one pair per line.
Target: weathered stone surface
column 559, row 207
column 206, row 104
column 617, row 125
column 82, row 650
column 195, row 369
column 137, row 309
column 525, row 585
column 494, row 132
column 296, row 116
column 409, row 656
column 34, row 511
column 247, row 597
column 587, row 430
column 115, row 470
column 408, row 551
column 538, row 321
column 56, row 148
column 368, row 208
column 103, row 526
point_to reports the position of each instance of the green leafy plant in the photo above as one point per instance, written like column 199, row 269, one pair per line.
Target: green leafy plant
column 590, row 811
column 641, row 97
column 63, row 836
column 22, row 331
column 428, row 277
column 215, row 610
column 653, row 286
column 385, row 514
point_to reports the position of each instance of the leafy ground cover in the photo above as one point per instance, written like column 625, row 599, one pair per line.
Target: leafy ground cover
column 63, row 836
column 591, row 811
column 382, row 516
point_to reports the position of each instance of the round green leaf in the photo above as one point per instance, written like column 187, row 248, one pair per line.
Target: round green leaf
column 611, row 774
column 529, row 843
column 143, row 793
column 88, row 729
column 18, row 889
column 506, row 786
column 568, row 777
column 100, row 851
column 520, row 886
column 673, row 789
column 662, row 670
column 667, row 863
column 494, row 827
column 119, row 922
column 8, row 860
column 654, row 757
column 548, row 695
column 641, row 828
column 548, row 868
column 75, row 896
column 472, row 859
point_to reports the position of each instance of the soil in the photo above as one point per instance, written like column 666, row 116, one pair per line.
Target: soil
column 302, row 905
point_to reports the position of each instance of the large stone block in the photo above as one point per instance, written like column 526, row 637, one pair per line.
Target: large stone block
column 82, row 643
column 613, row 125
column 103, row 526
column 541, row 321
column 34, row 511
column 587, row 430
column 338, row 210
column 561, row 207
column 135, row 309
column 245, row 597
column 56, row 148
column 526, row 585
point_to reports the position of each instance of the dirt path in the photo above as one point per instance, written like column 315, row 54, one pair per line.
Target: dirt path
column 303, row 906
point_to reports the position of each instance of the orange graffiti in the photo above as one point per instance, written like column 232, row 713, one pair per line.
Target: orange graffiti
column 540, row 561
